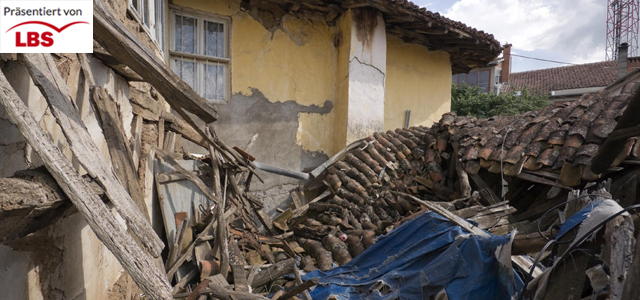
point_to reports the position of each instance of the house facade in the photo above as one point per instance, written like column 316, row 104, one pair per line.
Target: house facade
column 490, row 78
column 296, row 82
column 293, row 83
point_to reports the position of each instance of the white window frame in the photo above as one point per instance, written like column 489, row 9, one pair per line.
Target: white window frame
column 156, row 29
column 197, row 58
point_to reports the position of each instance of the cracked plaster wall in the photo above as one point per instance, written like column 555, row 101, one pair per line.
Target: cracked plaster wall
column 283, row 89
column 367, row 74
column 417, row 79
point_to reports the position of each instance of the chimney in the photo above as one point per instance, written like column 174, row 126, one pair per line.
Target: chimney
column 506, row 63
column 622, row 59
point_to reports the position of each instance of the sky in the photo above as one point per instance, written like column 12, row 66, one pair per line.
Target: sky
column 571, row 31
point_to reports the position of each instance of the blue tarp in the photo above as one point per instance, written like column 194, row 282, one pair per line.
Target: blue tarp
column 417, row 260
column 577, row 218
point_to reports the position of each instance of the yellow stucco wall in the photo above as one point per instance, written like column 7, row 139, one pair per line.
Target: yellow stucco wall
column 295, row 62
column 299, row 61
column 417, row 79
column 341, row 105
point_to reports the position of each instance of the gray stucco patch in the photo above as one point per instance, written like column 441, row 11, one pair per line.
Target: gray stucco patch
column 275, row 124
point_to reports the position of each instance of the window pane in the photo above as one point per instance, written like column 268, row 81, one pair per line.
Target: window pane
column 160, row 21
column 211, row 38
column 185, row 36
column 186, row 71
column 472, row 78
column 221, row 83
column 145, row 9
column 214, row 83
column 210, row 82
column 178, row 34
column 134, row 3
column 462, row 78
column 454, row 79
column 221, row 52
column 483, row 79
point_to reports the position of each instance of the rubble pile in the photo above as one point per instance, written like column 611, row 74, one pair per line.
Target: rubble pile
column 561, row 180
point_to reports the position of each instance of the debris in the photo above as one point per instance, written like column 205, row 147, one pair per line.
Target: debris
column 411, row 212
column 99, row 217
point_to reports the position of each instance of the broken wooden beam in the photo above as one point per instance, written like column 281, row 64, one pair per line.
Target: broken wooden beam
column 132, row 257
column 121, row 155
column 272, row 272
column 300, row 288
column 620, row 244
column 46, row 77
column 189, row 175
column 129, row 50
column 29, row 203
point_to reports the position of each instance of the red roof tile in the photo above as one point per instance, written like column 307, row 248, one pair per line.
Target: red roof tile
column 597, row 74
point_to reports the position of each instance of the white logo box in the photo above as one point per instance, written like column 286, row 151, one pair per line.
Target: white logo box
column 46, row 26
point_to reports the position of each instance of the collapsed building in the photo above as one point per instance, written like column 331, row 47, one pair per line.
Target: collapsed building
column 116, row 185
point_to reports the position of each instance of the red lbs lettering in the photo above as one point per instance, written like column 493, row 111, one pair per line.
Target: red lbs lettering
column 34, row 39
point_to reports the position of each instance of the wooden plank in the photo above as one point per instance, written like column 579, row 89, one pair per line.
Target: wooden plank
column 160, row 132
column 188, row 253
column 175, row 248
column 109, row 32
column 170, row 142
column 541, row 180
column 222, row 235
column 447, row 214
column 45, row 75
column 631, row 286
column 528, row 243
column 137, row 141
column 620, row 243
column 191, row 275
column 295, row 198
column 133, row 259
column 240, row 278
column 190, row 176
column 148, row 107
column 30, row 202
column 302, row 210
column 274, row 271
column 465, row 187
column 121, row 156
column 300, row 288
column 237, row 262
column 485, row 191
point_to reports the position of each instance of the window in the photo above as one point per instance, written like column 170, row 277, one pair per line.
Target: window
column 151, row 15
column 472, row 78
column 483, row 80
column 199, row 53
column 475, row 78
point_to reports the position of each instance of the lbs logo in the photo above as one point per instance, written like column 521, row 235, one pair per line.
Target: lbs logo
column 36, row 39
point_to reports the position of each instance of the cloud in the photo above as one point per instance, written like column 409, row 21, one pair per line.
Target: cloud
column 573, row 30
